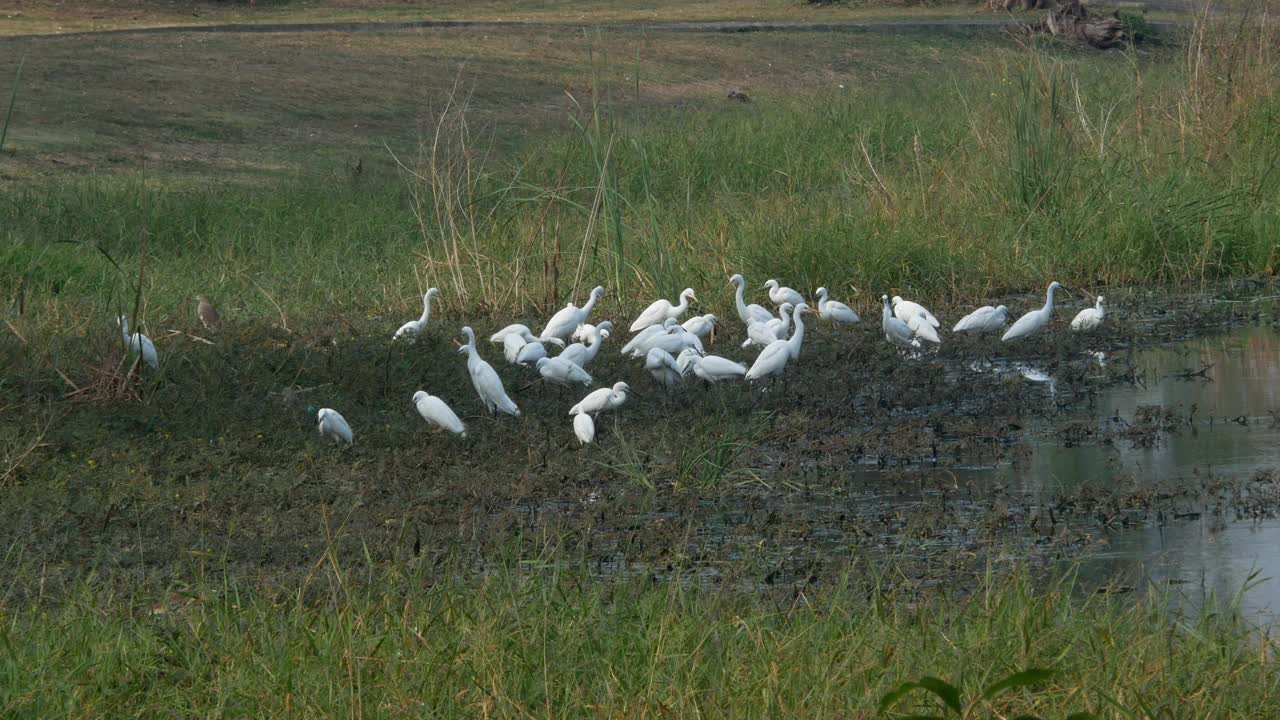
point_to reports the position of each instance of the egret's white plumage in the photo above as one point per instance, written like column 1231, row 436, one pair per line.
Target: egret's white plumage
column 984, row 319
column 568, row 318
column 559, row 371
column 511, row 346
column 522, row 332
column 582, row 355
column 1034, row 321
column 714, row 369
column 896, row 331
column 797, row 337
column 685, row 361
column 602, row 399
column 661, row 310
column 437, row 413
column 531, row 353
column 333, row 426
column 836, row 312
column 585, row 428
column 905, row 310
column 700, row 325
column 1090, row 318
column 410, row 330
column 779, row 294
column 638, row 345
column 663, row 367
column 775, row 328
column 674, row 341
column 485, row 379
column 747, row 313
column 139, row 344
column 772, row 360
column 923, row 329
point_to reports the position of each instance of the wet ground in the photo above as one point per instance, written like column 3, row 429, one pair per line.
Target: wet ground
column 1157, row 432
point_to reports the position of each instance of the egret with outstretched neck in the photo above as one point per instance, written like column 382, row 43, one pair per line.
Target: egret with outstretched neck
column 747, row 313
column 662, row 310
column 485, row 379
column 410, row 330
column 1034, row 321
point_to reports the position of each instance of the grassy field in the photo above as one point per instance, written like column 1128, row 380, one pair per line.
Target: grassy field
column 179, row 542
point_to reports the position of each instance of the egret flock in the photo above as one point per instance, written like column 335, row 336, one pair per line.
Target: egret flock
column 672, row 352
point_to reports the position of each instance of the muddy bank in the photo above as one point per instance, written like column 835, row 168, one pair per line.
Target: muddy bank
column 862, row 453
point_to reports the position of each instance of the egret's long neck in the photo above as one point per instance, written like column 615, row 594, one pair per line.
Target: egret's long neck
column 786, row 320
column 887, row 313
column 822, row 299
column 1048, row 300
column 684, row 305
column 1101, row 310
column 742, row 305
column 798, row 336
column 124, row 326
column 586, row 308
column 426, row 308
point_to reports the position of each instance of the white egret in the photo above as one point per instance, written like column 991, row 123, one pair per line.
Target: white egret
column 522, row 332
column 663, row 368
column 905, row 310
column 1034, row 321
column 559, row 371
column 438, row 414
column 685, row 360
column 921, row 326
column 582, row 355
column 485, row 379
column 531, row 353
column 783, row 294
column 984, row 319
column 602, row 399
column 776, row 328
column 1090, row 318
column 896, row 331
column 714, row 368
column 333, row 426
column 700, row 325
column 747, row 313
column 568, row 318
column 836, row 312
column 772, row 360
column 139, row 344
column 585, row 428
column 797, row 337
column 674, row 341
column 511, row 346
column 638, row 345
column 410, row 330
column 661, row 310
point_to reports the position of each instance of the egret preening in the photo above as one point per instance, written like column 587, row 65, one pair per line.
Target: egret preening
column 685, row 360
column 602, row 399
column 585, row 428
column 984, row 319
column 714, row 368
column 436, row 413
column 1034, row 321
column 207, row 313
column 485, row 379
column 1090, row 318
column 139, row 344
column 905, row 310
column 559, row 371
column 747, row 313
column 922, row 328
column 639, row 345
column 896, row 331
column 663, row 368
column 782, row 294
column 522, row 332
column 531, row 353
column 333, row 426
column 410, row 330
column 582, row 355
column 836, row 312
column 662, row 310
column 763, row 333
column 700, row 325
column 568, row 318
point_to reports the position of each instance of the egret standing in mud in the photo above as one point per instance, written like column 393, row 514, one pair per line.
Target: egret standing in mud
column 984, row 319
column 410, row 330
column 582, row 354
column 1090, row 318
column 763, row 333
column 832, row 311
column 663, row 368
column 485, row 379
column 747, row 313
column 896, row 331
column 568, row 318
column 333, row 426
column 662, row 310
column 905, row 310
column 585, row 428
column 602, row 399
column 559, row 371
column 139, row 344
column 1034, row 321
column 438, row 414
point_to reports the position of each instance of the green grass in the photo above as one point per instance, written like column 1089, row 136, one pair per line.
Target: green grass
column 547, row 644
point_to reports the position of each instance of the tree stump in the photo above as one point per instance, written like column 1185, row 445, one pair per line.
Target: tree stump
column 1069, row 19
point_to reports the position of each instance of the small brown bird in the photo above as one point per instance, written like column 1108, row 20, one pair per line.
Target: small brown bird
column 208, row 314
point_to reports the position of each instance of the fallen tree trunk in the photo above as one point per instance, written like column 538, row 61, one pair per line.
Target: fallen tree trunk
column 1071, row 20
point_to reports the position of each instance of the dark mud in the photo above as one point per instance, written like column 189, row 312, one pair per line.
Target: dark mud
column 860, row 456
